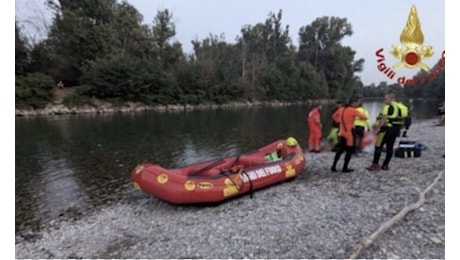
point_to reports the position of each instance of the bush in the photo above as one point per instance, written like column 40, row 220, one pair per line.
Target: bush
column 119, row 77
column 79, row 98
column 33, row 90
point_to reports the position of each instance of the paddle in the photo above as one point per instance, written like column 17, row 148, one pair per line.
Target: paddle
column 220, row 161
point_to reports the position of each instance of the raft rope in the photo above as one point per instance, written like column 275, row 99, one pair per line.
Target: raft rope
column 240, row 171
column 250, row 184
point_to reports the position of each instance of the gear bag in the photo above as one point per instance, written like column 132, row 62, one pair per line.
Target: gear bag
column 409, row 149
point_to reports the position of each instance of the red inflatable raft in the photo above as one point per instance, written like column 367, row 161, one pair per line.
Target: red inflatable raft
column 221, row 179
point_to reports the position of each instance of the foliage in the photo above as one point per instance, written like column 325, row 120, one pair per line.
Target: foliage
column 426, row 85
column 33, row 90
column 21, row 52
column 383, row 88
column 119, row 76
column 105, row 46
column 79, row 97
column 320, row 46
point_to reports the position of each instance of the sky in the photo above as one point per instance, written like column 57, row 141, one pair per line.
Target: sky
column 376, row 24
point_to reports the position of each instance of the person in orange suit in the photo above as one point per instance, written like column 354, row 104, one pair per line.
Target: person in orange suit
column 314, row 128
column 346, row 116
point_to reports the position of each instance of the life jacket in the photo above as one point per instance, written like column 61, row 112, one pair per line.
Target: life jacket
column 360, row 122
column 395, row 114
column 273, row 156
column 403, row 109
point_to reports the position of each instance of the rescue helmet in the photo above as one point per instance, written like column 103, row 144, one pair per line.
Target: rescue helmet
column 291, row 141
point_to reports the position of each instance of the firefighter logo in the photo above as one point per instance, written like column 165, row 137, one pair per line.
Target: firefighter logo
column 412, row 52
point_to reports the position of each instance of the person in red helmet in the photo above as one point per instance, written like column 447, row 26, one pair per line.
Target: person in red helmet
column 346, row 116
column 314, row 128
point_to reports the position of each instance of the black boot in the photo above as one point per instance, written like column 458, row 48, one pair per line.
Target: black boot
column 347, row 160
column 336, row 159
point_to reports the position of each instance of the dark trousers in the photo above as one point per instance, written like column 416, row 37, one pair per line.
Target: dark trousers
column 358, row 132
column 407, row 123
column 386, row 137
column 343, row 147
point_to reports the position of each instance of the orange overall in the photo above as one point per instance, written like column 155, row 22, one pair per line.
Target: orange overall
column 346, row 117
column 314, row 127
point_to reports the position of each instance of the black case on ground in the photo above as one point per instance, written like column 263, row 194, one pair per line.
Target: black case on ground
column 408, row 149
column 407, row 152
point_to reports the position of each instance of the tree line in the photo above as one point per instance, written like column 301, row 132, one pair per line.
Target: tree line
column 104, row 50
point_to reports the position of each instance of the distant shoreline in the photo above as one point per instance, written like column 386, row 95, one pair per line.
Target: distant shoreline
column 106, row 107
column 102, row 107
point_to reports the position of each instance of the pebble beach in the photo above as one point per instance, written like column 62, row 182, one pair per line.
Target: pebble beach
column 320, row 214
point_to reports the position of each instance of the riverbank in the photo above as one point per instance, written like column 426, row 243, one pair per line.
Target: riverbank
column 57, row 107
column 319, row 215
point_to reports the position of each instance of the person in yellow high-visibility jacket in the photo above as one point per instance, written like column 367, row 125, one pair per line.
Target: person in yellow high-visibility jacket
column 361, row 126
column 333, row 136
column 387, row 130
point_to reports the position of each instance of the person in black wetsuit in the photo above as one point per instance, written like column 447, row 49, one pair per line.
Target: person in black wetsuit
column 388, row 129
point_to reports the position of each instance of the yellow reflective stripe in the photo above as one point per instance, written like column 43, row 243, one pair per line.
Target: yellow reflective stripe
column 359, row 122
column 409, row 154
column 378, row 142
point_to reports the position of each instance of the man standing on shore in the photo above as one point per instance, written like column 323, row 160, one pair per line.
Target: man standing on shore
column 314, row 128
column 346, row 116
column 387, row 130
column 407, row 120
column 360, row 127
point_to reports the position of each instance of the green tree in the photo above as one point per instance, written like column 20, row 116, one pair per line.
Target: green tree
column 163, row 31
column 218, row 66
column 261, row 46
column 21, row 52
column 313, row 83
column 132, row 37
column 167, row 56
column 81, row 32
column 428, row 84
column 320, row 45
column 33, row 90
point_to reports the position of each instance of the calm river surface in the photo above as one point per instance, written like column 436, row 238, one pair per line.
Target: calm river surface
column 68, row 165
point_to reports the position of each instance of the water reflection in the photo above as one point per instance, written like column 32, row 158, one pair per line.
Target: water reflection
column 193, row 153
column 58, row 190
column 374, row 109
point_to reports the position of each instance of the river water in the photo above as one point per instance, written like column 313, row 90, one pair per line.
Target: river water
column 68, row 165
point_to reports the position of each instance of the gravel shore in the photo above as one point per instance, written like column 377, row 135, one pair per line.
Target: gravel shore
column 318, row 215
